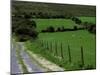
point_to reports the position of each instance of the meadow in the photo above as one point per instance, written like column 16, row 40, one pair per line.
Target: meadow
column 54, row 46
column 44, row 23
column 88, row 19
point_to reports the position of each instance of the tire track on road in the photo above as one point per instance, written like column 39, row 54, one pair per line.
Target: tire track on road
column 31, row 65
column 15, row 67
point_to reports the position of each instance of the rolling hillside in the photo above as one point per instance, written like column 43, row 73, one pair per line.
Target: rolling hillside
column 53, row 8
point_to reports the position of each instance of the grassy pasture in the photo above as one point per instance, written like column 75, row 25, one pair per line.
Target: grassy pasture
column 88, row 19
column 44, row 23
column 75, row 39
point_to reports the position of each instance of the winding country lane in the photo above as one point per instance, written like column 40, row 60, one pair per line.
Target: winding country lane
column 29, row 63
column 25, row 62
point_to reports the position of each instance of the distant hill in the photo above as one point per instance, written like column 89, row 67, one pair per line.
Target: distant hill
column 53, row 8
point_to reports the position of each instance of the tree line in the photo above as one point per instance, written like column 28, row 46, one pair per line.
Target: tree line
column 60, row 29
column 86, row 25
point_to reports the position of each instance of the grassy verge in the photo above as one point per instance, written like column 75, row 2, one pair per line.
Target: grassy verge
column 34, row 47
column 34, row 60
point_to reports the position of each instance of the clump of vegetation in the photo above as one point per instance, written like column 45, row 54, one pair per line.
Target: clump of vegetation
column 50, row 29
column 86, row 25
column 76, row 20
column 60, row 29
column 24, row 28
column 75, row 28
column 90, row 27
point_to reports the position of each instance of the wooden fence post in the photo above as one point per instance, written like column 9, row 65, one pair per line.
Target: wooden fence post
column 70, row 60
column 51, row 46
column 42, row 43
column 62, row 51
column 47, row 45
column 82, row 56
column 56, row 52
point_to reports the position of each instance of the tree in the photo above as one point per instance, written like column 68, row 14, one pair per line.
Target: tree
column 58, row 29
column 76, row 20
column 50, row 29
column 24, row 28
column 75, row 27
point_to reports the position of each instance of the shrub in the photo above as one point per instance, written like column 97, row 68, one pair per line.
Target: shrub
column 58, row 29
column 24, row 28
column 50, row 29
column 76, row 20
column 75, row 28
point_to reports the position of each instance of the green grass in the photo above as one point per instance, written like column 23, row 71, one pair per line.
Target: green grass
column 75, row 39
column 44, row 23
column 88, row 19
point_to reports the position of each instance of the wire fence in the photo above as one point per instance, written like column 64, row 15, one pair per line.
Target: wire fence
column 57, row 50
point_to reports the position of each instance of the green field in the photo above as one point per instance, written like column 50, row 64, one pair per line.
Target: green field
column 88, row 19
column 75, row 40
column 44, row 23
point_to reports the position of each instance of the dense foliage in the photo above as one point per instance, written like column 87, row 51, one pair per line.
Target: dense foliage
column 48, row 10
column 24, row 28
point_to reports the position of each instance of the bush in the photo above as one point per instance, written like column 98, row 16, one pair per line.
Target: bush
column 92, row 28
column 58, row 29
column 50, row 29
column 75, row 28
column 29, row 32
column 76, row 20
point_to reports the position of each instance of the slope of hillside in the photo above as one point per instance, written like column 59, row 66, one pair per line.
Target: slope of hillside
column 53, row 8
